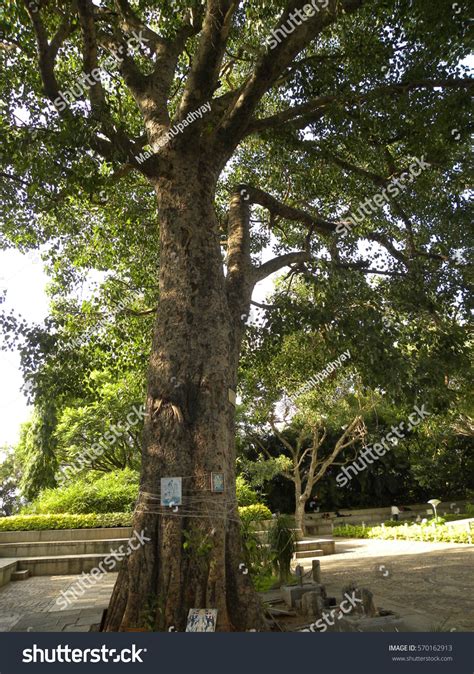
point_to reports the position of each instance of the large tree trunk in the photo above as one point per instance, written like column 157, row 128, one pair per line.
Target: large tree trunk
column 194, row 559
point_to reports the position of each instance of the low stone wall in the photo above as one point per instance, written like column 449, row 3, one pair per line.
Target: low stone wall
column 65, row 535
column 379, row 515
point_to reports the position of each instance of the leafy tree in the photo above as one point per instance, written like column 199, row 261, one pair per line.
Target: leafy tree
column 104, row 420
column 441, row 458
column 307, row 128
column 36, row 452
column 309, row 465
column 9, row 478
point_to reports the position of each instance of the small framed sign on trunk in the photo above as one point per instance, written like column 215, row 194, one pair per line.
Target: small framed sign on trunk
column 217, row 482
column 171, row 491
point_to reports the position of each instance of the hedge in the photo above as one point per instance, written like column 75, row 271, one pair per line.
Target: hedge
column 64, row 521
column 412, row 532
column 96, row 520
column 116, row 491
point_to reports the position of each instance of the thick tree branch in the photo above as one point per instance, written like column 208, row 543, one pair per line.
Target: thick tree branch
column 280, row 262
column 355, row 431
column 90, row 57
column 318, row 106
column 311, row 478
column 204, row 75
column 240, row 275
column 274, row 62
column 130, row 22
column 47, row 53
column 276, row 208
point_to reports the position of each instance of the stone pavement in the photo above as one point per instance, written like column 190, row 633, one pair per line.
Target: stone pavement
column 430, row 585
column 30, row 605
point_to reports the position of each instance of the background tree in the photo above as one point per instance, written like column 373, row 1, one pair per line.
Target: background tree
column 397, row 365
column 307, row 465
column 36, row 452
column 10, row 499
column 104, row 420
column 335, row 110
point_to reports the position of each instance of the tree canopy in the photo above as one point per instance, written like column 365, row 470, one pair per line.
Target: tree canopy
column 331, row 144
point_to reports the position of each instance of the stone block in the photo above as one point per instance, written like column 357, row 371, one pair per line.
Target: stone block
column 292, row 593
column 364, row 607
column 312, row 605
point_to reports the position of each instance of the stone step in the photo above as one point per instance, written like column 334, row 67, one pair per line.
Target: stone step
column 60, row 548
column 328, row 545
column 309, row 554
column 20, row 575
column 7, row 567
column 64, row 565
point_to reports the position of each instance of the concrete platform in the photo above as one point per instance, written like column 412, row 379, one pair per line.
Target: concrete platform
column 7, row 567
column 312, row 547
column 58, row 552
column 308, row 554
column 60, row 548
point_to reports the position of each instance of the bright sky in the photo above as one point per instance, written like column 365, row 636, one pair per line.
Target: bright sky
column 25, row 282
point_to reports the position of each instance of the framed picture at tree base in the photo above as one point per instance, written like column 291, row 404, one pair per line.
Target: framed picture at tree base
column 202, row 620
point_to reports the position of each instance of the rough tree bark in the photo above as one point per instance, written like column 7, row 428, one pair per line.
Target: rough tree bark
column 190, row 424
column 189, row 429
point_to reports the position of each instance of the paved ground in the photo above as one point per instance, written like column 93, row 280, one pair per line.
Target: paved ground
column 431, row 585
column 31, row 605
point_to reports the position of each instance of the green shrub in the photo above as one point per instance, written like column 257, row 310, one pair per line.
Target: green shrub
column 255, row 513
column 256, row 553
column 246, row 496
column 61, row 521
column 95, row 493
column 265, row 581
column 412, row 532
column 281, row 538
column 351, row 531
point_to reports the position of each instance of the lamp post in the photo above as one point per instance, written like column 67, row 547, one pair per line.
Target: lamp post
column 434, row 502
